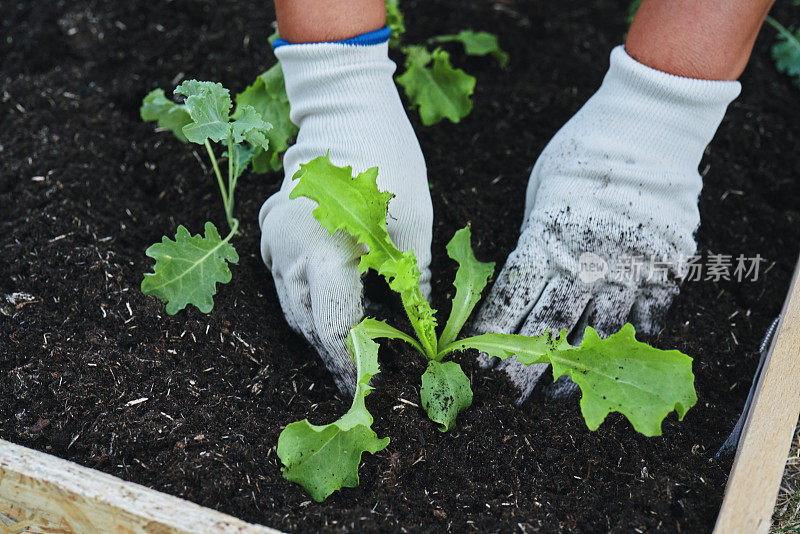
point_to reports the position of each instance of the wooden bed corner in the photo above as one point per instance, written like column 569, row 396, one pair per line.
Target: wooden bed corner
column 757, row 470
column 44, row 494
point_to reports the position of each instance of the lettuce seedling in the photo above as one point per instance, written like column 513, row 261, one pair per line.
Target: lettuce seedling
column 435, row 87
column 267, row 95
column 617, row 374
column 432, row 85
column 188, row 268
column 476, row 44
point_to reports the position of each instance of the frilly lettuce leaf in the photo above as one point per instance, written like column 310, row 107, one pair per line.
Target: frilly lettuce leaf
column 356, row 206
column 471, row 277
column 617, row 374
column 435, row 87
column 209, row 105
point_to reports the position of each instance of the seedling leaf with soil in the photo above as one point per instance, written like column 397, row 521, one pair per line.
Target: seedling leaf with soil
column 439, row 90
column 786, row 51
column 617, row 374
column 325, row 458
column 432, row 85
column 476, row 44
column 188, row 268
column 435, row 87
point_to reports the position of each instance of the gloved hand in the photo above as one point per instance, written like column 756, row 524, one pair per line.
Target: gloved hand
column 343, row 99
column 619, row 185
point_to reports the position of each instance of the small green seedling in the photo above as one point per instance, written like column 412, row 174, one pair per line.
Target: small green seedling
column 617, row 374
column 432, row 85
column 786, row 50
column 188, row 268
column 632, row 9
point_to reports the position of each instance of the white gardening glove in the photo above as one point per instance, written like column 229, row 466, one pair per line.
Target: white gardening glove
column 618, row 181
column 344, row 100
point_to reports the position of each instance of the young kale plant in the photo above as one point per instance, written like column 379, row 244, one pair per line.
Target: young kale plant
column 617, row 374
column 188, row 268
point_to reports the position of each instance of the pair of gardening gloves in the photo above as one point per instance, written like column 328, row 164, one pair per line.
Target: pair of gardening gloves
column 610, row 208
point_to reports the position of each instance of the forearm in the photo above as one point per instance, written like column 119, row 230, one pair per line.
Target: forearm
column 312, row 21
column 706, row 39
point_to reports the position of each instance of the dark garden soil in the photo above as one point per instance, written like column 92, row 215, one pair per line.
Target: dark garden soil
column 85, row 187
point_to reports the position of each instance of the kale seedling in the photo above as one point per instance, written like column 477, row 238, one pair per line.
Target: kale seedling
column 189, row 267
column 617, row 374
column 267, row 95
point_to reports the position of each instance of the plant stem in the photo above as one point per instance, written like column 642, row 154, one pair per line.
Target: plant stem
column 222, row 190
column 234, row 227
column 780, row 28
column 231, row 181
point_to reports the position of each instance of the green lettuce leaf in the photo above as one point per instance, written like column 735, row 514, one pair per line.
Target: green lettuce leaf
column 209, row 105
column 439, row 91
column 621, row 374
column 527, row 349
column 395, row 21
column 476, row 44
column 188, row 269
column 376, row 329
column 356, row 206
column 268, row 96
column 445, row 392
column 617, row 374
column 471, row 277
column 170, row 116
column 325, row 458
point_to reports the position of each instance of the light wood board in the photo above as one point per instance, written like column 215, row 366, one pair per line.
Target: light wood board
column 44, row 494
column 767, row 435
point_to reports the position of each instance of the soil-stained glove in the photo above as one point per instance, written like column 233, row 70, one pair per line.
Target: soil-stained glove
column 610, row 212
column 344, row 100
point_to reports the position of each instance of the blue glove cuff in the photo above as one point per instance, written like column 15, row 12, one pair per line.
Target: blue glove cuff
column 365, row 39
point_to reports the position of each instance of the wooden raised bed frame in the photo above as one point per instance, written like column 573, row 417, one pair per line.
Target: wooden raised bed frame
column 44, row 494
